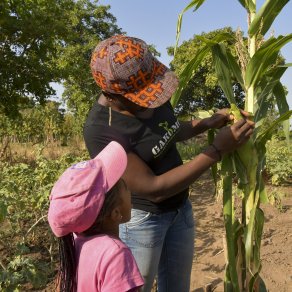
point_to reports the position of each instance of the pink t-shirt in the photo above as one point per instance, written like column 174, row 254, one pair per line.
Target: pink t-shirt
column 106, row 264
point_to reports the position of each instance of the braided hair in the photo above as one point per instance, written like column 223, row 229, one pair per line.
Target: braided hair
column 67, row 272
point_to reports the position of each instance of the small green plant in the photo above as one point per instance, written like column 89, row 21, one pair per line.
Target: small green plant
column 29, row 246
column 275, row 199
column 22, row 270
column 279, row 161
column 189, row 149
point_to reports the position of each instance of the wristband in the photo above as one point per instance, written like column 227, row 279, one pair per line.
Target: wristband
column 217, row 151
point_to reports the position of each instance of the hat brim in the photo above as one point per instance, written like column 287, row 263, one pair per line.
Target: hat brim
column 114, row 160
column 161, row 88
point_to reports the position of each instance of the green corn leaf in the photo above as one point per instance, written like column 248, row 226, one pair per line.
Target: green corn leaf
column 242, row 2
column 194, row 3
column 265, row 16
column 235, row 69
column 264, row 58
column 261, row 150
column 188, row 73
column 239, row 232
column 249, row 233
column 268, row 83
column 241, row 172
column 191, row 67
column 286, row 65
column 227, row 280
column 228, row 213
column 259, row 226
column 230, row 58
column 249, row 5
column 266, row 135
column 261, row 112
column 260, row 287
column 218, row 38
column 263, row 193
column 280, row 95
column 283, row 107
column 252, row 282
column 222, row 71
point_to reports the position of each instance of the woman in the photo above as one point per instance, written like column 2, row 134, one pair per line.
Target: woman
column 134, row 109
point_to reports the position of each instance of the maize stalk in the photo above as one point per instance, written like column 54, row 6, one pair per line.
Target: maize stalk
column 261, row 81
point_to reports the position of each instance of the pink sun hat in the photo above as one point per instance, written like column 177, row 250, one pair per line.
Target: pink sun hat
column 77, row 197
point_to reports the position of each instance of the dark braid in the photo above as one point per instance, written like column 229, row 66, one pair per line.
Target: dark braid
column 67, row 272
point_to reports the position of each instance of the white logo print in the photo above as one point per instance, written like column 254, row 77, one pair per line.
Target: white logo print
column 167, row 137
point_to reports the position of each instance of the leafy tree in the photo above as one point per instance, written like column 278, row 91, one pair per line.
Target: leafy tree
column 29, row 33
column 202, row 91
column 80, row 88
column 89, row 25
column 44, row 41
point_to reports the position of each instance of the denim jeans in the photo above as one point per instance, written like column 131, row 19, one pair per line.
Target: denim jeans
column 162, row 245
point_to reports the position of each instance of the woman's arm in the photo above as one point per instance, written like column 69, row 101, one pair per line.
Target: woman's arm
column 192, row 128
column 142, row 181
column 189, row 129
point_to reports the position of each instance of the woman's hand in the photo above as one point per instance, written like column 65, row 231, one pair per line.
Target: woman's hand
column 222, row 117
column 230, row 138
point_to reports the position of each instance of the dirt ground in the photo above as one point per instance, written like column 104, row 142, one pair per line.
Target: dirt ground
column 209, row 259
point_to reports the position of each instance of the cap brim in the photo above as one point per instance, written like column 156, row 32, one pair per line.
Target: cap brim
column 114, row 159
column 158, row 92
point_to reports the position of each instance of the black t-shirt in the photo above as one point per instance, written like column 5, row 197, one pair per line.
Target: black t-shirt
column 151, row 139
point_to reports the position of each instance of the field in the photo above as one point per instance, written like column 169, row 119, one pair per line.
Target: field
column 28, row 251
column 209, row 258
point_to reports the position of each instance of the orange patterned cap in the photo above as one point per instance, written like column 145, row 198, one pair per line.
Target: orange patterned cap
column 124, row 65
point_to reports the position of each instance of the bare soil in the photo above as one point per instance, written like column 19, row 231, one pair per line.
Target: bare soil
column 209, row 258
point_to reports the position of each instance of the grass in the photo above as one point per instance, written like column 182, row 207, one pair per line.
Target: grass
column 27, row 152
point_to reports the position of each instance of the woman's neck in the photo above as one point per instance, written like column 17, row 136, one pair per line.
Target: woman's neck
column 113, row 105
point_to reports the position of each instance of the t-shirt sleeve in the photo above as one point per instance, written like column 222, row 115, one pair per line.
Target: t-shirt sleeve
column 97, row 137
column 121, row 273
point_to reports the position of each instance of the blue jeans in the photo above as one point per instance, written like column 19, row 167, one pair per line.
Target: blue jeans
column 162, row 245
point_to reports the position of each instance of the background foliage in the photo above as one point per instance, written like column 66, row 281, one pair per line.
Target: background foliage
column 202, row 91
column 45, row 41
column 29, row 246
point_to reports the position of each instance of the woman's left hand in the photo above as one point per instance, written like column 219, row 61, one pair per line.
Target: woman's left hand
column 220, row 119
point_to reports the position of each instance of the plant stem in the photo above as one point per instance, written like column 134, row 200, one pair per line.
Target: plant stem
column 251, row 50
column 36, row 223
column 2, row 265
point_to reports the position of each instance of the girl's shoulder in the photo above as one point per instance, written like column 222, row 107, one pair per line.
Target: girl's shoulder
column 103, row 241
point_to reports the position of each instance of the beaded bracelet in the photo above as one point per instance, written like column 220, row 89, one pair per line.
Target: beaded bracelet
column 217, row 151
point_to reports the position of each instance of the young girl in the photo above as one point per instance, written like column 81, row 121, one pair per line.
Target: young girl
column 87, row 204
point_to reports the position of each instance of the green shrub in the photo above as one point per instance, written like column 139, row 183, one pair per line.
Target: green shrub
column 279, row 161
column 29, row 247
column 191, row 148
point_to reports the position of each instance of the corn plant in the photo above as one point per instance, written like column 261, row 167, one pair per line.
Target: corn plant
column 259, row 72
